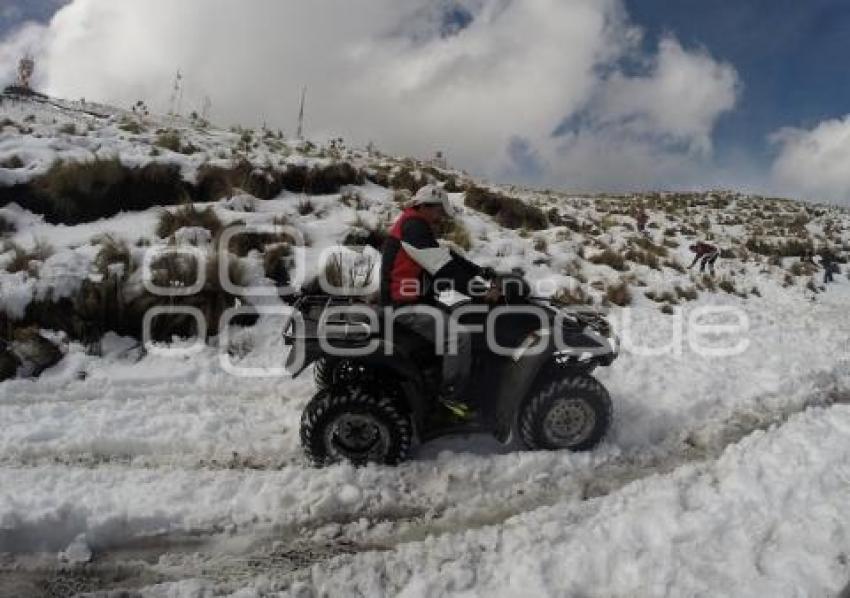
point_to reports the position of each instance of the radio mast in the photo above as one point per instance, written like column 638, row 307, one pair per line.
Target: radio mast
column 300, row 134
column 26, row 68
column 176, row 95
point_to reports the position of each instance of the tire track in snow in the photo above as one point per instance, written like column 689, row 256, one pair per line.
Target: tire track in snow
column 700, row 445
column 284, row 553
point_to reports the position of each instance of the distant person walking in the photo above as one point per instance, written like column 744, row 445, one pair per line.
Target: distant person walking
column 706, row 254
column 830, row 267
column 642, row 219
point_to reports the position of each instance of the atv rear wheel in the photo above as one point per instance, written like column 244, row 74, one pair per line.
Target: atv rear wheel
column 572, row 413
column 355, row 424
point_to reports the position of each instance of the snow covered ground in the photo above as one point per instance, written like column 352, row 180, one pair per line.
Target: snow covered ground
column 722, row 476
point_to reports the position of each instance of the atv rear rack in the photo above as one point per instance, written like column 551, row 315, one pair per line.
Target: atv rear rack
column 344, row 325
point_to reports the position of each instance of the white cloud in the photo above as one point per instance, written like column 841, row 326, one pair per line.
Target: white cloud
column 488, row 95
column 815, row 164
column 680, row 99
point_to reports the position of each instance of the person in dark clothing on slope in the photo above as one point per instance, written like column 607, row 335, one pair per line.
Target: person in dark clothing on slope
column 827, row 262
column 414, row 267
column 706, row 254
column 642, row 219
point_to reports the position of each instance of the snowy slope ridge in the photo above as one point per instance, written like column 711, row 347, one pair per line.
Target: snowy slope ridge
column 168, row 476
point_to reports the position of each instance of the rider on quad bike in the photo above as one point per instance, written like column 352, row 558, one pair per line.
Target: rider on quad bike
column 414, row 269
column 378, row 380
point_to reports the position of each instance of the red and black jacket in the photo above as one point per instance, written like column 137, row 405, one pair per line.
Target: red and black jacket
column 701, row 249
column 413, row 259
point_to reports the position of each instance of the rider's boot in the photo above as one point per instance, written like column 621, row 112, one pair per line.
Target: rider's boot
column 451, row 398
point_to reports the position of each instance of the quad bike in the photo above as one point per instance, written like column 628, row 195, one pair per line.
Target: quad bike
column 371, row 407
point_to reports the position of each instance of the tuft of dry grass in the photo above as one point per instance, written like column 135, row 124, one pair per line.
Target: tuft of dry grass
column 12, row 163
column 728, row 286
column 188, row 215
column 683, row 294
column 306, row 206
column 619, row 294
column 170, row 140
column 610, row 258
column 572, row 295
column 662, row 297
column 458, row 234
column 6, row 226
column 276, row 263
column 22, row 259
column 112, row 252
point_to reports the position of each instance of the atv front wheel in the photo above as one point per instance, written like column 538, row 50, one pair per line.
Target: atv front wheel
column 356, row 425
column 572, row 413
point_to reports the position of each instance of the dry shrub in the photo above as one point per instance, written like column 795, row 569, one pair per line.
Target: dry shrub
column 12, row 163
column 507, row 211
column 215, row 182
column 662, row 297
column 6, row 226
column 249, row 240
column 306, row 206
column 675, row 265
column 727, row 286
column 619, row 294
column 611, row 259
column 541, row 244
column 690, row 294
column 276, row 263
column 802, row 269
column 574, row 270
column 131, row 126
column 188, row 215
column 787, row 248
column 406, row 179
column 643, row 257
column 458, row 234
column 352, row 198
column 112, row 252
column 706, row 283
column 76, row 192
column 22, row 258
column 573, row 295
column 320, row 180
column 170, row 140
column 812, row 285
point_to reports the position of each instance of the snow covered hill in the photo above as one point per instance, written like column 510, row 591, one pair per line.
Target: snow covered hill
column 162, row 473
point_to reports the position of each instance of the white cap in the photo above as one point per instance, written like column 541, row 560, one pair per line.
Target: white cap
column 431, row 195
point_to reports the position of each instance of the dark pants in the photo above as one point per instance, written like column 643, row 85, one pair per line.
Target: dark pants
column 456, row 360
column 828, row 271
column 709, row 260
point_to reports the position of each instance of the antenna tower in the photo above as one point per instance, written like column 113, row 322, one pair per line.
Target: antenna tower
column 26, row 68
column 176, row 95
column 205, row 112
column 301, row 113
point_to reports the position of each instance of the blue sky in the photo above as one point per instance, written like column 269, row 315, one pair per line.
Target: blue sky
column 791, row 55
column 15, row 12
column 771, row 81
